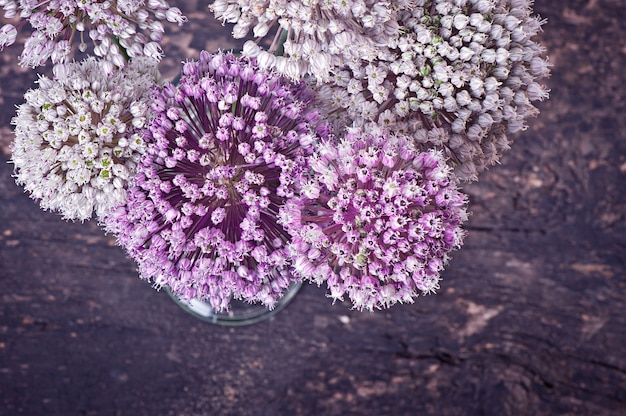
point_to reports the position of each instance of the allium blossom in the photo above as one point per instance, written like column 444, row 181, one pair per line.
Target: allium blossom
column 318, row 35
column 463, row 75
column 77, row 137
column 227, row 147
column 376, row 220
column 118, row 30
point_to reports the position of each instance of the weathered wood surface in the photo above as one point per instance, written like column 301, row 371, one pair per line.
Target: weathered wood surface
column 530, row 320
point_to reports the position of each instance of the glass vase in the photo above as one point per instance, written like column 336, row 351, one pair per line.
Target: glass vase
column 241, row 313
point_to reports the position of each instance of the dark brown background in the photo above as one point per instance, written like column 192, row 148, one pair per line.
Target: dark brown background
column 530, row 319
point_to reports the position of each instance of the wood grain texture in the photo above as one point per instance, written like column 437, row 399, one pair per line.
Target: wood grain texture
column 530, row 320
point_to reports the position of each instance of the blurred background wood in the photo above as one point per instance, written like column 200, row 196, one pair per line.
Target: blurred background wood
column 530, row 319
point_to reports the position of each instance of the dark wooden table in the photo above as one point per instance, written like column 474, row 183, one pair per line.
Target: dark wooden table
column 530, row 320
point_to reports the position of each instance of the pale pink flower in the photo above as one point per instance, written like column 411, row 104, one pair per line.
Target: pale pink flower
column 116, row 31
column 472, row 68
column 77, row 136
column 312, row 37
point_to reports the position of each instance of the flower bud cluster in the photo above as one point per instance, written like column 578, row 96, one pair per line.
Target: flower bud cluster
column 376, row 220
column 468, row 69
column 318, row 35
column 226, row 148
column 240, row 179
column 118, row 30
column 77, row 137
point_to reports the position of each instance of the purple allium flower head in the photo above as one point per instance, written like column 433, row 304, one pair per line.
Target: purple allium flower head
column 376, row 219
column 226, row 149
column 120, row 29
column 461, row 77
column 78, row 136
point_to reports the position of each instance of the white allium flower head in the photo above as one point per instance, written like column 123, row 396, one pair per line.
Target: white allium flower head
column 78, row 138
column 317, row 36
column 470, row 67
column 117, row 30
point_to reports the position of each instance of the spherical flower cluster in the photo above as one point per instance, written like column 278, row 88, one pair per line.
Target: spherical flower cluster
column 469, row 70
column 318, row 35
column 227, row 147
column 118, row 30
column 376, row 220
column 77, row 137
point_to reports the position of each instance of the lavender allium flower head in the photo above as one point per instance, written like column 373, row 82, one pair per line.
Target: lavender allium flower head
column 118, row 30
column 376, row 220
column 318, row 35
column 77, row 137
column 462, row 76
column 227, row 147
